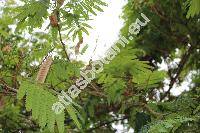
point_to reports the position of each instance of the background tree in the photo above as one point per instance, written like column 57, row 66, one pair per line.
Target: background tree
column 174, row 27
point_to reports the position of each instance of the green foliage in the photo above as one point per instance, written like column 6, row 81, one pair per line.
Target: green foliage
column 32, row 14
column 39, row 102
column 63, row 73
column 76, row 14
column 11, row 119
column 194, row 8
column 149, row 79
column 84, row 49
column 124, row 67
column 169, row 125
column 113, row 87
column 73, row 113
column 159, row 40
column 141, row 120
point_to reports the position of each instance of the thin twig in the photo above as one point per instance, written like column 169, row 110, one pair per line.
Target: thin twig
column 63, row 44
column 60, row 35
column 3, row 83
column 107, row 123
column 181, row 65
column 151, row 111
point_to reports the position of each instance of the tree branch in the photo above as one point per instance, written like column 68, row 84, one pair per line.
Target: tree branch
column 3, row 83
column 107, row 123
column 60, row 35
column 63, row 44
column 181, row 65
column 151, row 111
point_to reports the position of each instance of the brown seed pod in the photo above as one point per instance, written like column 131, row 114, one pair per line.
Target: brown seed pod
column 44, row 69
column 7, row 48
column 53, row 20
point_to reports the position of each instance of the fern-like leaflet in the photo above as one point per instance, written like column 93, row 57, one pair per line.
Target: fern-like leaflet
column 40, row 102
column 194, row 8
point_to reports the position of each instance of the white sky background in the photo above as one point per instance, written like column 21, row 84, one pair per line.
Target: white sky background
column 106, row 27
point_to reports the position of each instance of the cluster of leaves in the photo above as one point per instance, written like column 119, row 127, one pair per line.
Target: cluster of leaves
column 78, row 15
column 168, row 125
column 173, row 26
column 129, row 69
column 181, row 114
column 40, row 103
column 194, row 8
column 32, row 14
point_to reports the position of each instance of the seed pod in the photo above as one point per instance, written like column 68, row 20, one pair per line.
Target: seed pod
column 53, row 20
column 7, row 48
column 44, row 69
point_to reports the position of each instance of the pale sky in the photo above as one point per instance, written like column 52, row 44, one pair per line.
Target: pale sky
column 106, row 27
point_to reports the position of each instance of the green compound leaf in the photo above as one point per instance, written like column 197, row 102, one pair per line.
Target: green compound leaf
column 40, row 102
column 194, row 8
